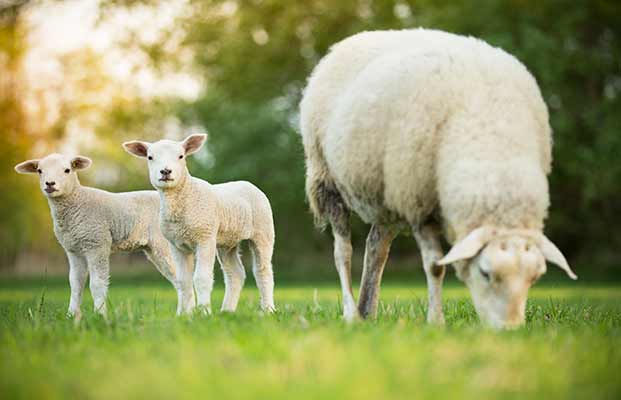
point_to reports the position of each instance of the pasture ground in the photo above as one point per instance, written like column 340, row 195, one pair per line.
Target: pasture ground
column 570, row 347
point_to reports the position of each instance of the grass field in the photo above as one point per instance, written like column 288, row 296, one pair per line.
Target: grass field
column 570, row 347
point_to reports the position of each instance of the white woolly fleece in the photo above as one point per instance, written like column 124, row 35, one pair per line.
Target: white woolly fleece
column 406, row 122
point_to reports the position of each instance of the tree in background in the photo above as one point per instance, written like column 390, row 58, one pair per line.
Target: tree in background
column 253, row 58
column 15, row 140
column 256, row 56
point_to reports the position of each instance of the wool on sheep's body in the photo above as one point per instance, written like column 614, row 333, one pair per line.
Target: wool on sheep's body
column 407, row 122
column 423, row 129
column 90, row 224
column 204, row 222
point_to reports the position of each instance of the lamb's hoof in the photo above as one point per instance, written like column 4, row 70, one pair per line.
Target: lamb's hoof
column 76, row 316
column 269, row 309
column 437, row 319
column 204, row 310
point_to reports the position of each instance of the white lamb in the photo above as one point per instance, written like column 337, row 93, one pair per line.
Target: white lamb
column 201, row 219
column 427, row 130
column 90, row 224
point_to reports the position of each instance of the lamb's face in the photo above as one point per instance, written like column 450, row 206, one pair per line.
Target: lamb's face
column 166, row 159
column 166, row 162
column 57, row 173
column 499, row 266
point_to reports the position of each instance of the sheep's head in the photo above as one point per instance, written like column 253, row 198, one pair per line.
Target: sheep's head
column 57, row 173
column 499, row 266
column 166, row 158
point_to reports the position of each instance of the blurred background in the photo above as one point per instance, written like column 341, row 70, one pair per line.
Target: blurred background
column 83, row 76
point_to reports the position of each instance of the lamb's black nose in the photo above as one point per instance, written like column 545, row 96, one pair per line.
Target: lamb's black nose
column 50, row 183
column 165, row 171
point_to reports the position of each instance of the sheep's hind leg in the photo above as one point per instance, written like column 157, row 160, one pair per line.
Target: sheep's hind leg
column 160, row 255
column 262, row 250
column 234, row 276
column 375, row 256
column 338, row 215
column 431, row 251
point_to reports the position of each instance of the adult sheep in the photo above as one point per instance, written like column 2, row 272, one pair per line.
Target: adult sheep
column 432, row 131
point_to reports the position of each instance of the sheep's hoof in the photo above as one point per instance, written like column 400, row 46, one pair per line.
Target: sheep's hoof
column 204, row 310
column 435, row 319
column 268, row 309
column 351, row 316
column 76, row 316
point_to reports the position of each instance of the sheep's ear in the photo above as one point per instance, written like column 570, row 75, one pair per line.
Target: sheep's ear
column 136, row 148
column 80, row 162
column 469, row 246
column 194, row 142
column 27, row 167
column 553, row 254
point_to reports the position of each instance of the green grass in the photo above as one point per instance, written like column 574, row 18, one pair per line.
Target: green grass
column 569, row 348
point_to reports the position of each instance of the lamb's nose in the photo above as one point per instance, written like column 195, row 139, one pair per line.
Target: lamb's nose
column 50, row 183
column 165, row 171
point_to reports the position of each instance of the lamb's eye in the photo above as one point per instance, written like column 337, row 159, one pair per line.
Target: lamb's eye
column 39, row 171
column 181, row 156
column 150, row 158
column 67, row 171
column 485, row 274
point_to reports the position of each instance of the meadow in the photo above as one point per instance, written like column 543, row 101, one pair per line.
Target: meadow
column 569, row 348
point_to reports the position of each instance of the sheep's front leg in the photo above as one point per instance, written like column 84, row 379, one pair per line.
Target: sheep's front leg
column 428, row 242
column 78, row 273
column 375, row 256
column 99, row 270
column 184, row 266
column 203, row 273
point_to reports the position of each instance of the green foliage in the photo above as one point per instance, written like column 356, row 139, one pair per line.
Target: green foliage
column 568, row 349
column 261, row 54
column 255, row 57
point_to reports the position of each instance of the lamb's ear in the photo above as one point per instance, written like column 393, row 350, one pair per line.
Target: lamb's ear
column 469, row 246
column 80, row 162
column 553, row 254
column 193, row 143
column 27, row 167
column 136, row 148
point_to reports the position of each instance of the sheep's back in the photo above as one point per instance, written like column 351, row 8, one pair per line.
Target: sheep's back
column 377, row 104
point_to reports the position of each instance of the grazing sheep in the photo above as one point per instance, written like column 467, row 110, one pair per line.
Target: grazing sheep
column 202, row 220
column 427, row 130
column 90, row 224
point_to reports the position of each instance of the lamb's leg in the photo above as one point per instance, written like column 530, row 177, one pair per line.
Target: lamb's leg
column 375, row 256
column 338, row 216
column 203, row 274
column 234, row 276
column 99, row 273
column 184, row 264
column 78, row 273
column 160, row 254
column 262, row 249
column 427, row 238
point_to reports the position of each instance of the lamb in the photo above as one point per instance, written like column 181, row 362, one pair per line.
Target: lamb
column 434, row 132
column 202, row 220
column 90, row 224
